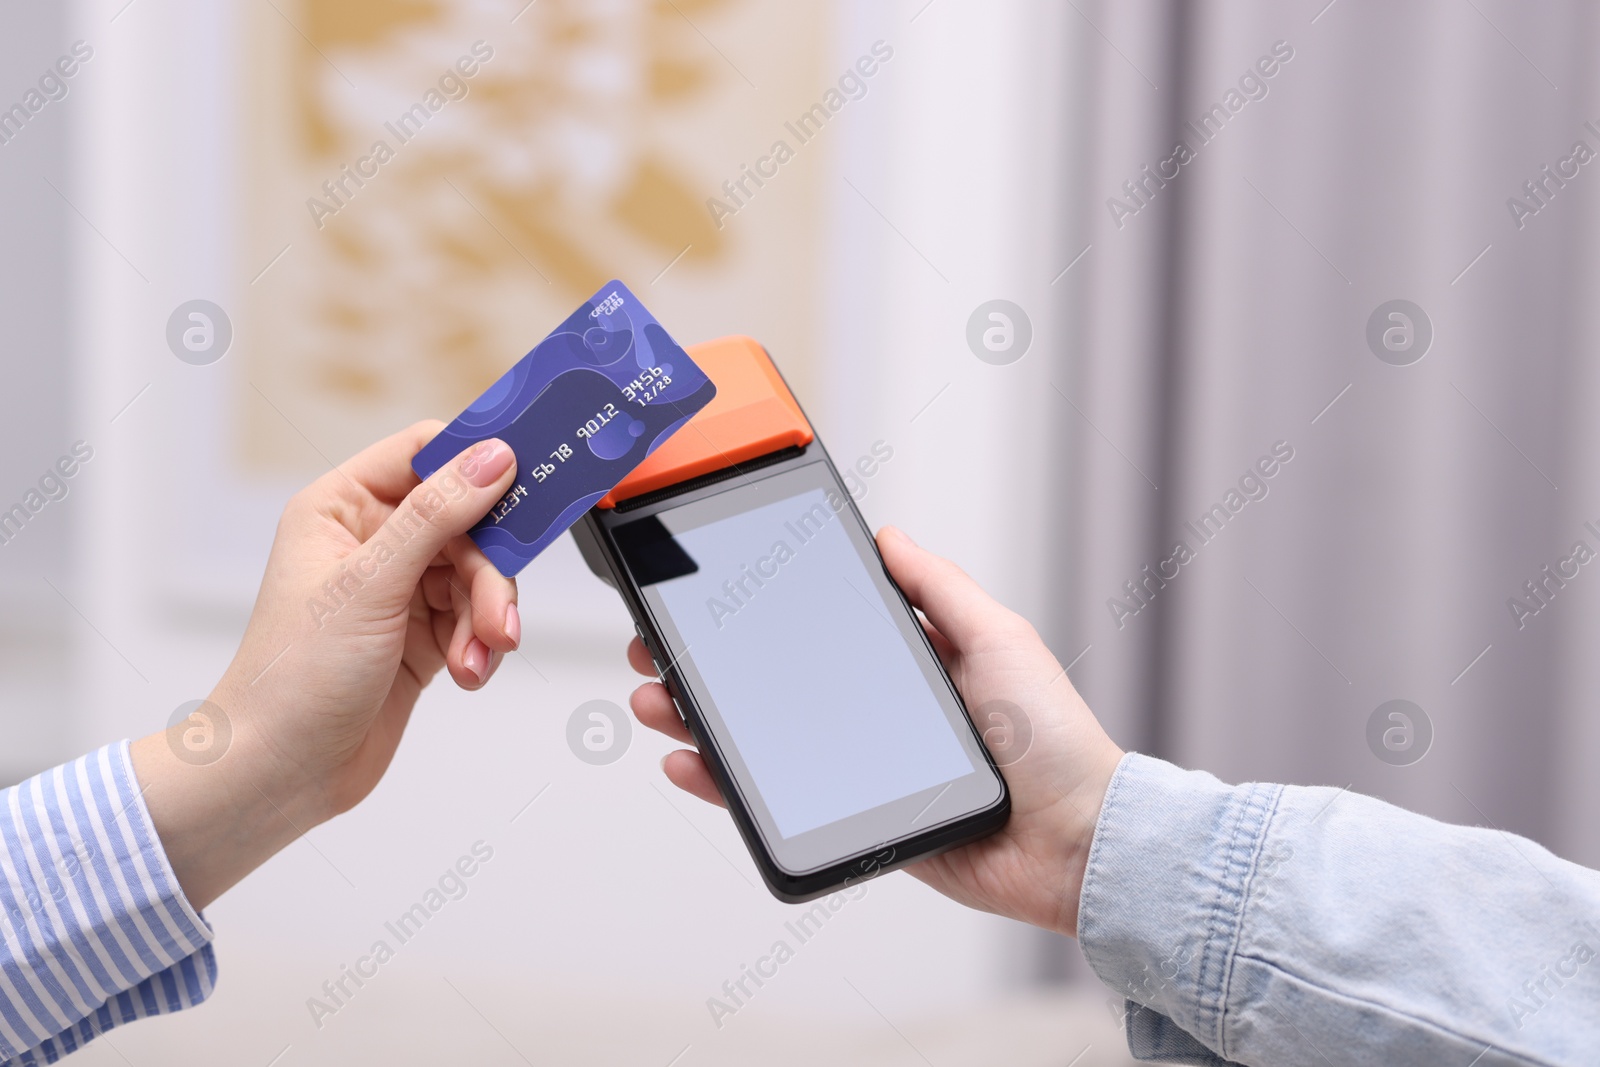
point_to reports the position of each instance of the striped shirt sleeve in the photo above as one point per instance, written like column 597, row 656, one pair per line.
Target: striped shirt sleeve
column 94, row 929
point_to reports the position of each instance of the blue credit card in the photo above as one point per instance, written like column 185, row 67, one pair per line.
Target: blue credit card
column 580, row 411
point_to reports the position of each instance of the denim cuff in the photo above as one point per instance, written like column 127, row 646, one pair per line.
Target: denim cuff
column 1163, row 900
column 1154, row 1038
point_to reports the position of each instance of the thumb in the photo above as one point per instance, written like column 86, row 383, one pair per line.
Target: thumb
column 957, row 606
column 448, row 504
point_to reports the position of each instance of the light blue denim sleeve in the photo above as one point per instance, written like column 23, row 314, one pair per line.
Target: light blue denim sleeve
column 1268, row 924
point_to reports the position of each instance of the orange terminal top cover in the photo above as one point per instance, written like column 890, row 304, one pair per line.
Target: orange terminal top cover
column 752, row 414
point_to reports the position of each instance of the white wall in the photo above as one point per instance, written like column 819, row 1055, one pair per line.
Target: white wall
column 35, row 424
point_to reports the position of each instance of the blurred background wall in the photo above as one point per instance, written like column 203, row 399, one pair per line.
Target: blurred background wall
column 36, row 306
column 1186, row 314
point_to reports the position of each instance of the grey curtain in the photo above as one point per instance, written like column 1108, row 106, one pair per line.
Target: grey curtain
column 1395, row 152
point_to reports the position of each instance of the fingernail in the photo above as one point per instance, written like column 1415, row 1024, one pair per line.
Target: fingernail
column 513, row 624
column 895, row 531
column 663, row 763
column 486, row 461
column 476, row 660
